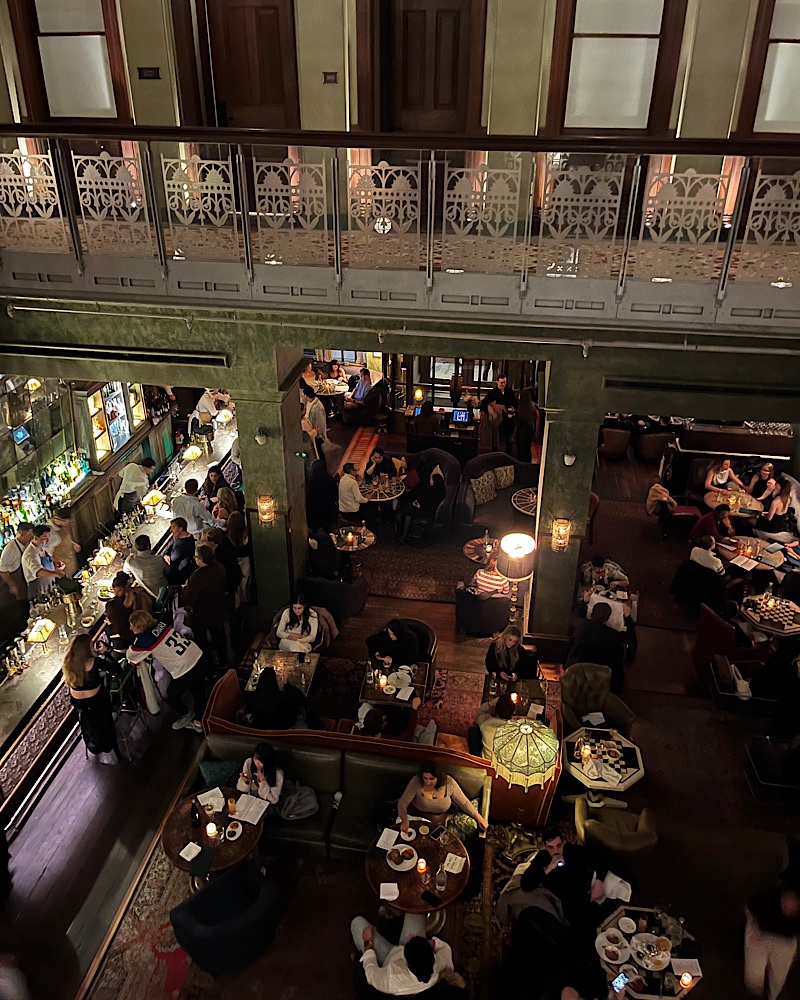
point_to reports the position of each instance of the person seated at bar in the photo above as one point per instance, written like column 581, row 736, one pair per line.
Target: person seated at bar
column 147, row 569
column 180, row 658
column 119, row 609
column 764, row 485
column 716, row 523
column 378, row 463
column 189, row 507
column 507, row 656
column 353, row 505
column 703, row 555
column 603, row 573
column 353, row 400
column 426, row 422
column 82, row 673
column 781, row 515
column 227, row 503
column 298, row 627
column 214, row 481
column 721, row 476
column 434, row 793
column 595, row 641
column 261, row 776
column 488, row 581
column 394, row 645
column 179, row 553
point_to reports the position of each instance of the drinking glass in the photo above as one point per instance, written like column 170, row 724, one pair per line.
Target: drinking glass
column 441, row 880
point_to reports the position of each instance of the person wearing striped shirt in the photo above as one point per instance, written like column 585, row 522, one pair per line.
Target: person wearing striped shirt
column 488, row 581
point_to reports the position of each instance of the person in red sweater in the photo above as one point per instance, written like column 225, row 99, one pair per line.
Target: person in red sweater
column 716, row 523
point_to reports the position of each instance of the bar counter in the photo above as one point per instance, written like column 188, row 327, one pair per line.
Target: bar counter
column 33, row 704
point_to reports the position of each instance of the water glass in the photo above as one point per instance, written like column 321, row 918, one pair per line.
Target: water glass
column 441, row 880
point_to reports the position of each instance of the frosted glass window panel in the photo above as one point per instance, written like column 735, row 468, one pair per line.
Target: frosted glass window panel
column 77, row 76
column 618, row 17
column 786, row 19
column 779, row 103
column 610, row 82
column 69, row 16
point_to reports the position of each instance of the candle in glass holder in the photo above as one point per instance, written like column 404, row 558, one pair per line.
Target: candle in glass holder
column 586, row 752
column 211, row 831
column 514, row 697
column 382, row 681
column 686, row 980
column 349, row 537
column 422, row 866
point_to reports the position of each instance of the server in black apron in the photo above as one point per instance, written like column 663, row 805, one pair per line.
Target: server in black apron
column 38, row 567
column 13, row 589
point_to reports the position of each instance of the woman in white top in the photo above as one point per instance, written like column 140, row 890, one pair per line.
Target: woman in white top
column 434, row 793
column 260, row 776
column 298, row 626
column 722, row 477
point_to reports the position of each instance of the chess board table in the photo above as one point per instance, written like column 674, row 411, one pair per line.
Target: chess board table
column 608, row 747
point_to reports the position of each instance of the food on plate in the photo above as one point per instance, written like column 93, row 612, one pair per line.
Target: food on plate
column 407, row 853
column 663, row 944
column 394, row 856
column 613, row 937
column 637, row 984
column 233, row 826
column 611, row 953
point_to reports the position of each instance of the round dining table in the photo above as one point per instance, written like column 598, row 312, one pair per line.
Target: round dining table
column 741, row 504
column 409, row 883
column 752, row 548
column 525, row 501
column 383, row 490
column 478, row 550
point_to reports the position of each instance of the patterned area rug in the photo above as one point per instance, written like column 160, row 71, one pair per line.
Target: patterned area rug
column 454, row 699
column 414, row 574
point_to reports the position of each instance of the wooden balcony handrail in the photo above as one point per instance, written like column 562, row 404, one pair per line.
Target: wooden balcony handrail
column 620, row 144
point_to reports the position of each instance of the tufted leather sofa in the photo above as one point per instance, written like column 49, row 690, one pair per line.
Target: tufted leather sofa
column 497, row 511
column 586, row 687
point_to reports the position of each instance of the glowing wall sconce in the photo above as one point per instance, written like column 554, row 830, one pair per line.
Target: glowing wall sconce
column 267, row 511
column 419, row 395
column 560, row 534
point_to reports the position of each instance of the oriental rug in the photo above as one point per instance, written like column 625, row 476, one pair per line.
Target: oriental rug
column 454, row 699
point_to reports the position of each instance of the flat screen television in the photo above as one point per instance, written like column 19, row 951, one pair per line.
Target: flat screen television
column 461, row 416
column 20, row 435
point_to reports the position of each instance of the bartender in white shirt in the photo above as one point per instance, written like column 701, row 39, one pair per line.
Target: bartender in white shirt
column 38, row 568
column 135, row 483
column 11, row 560
column 206, row 408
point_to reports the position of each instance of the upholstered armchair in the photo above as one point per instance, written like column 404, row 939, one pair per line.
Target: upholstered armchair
column 586, row 687
column 615, row 830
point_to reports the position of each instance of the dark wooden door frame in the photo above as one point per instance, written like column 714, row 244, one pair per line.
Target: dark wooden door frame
column 666, row 71
column 25, row 27
column 367, row 79
column 754, row 76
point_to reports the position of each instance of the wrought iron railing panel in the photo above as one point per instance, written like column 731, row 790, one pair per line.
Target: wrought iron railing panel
column 579, row 217
column 291, row 205
column 682, row 221
column 115, row 216
column 771, row 248
column 202, row 221
column 383, row 217
column 31, row 216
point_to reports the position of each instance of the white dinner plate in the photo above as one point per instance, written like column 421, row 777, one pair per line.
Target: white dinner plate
column 626, row 925
column 410, row 835
column 390, row 689
column 654, row 963
column 404, row 866
column 234, row 834
column 622, row 951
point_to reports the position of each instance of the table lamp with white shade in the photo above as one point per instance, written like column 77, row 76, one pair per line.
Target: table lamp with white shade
column 515, row 559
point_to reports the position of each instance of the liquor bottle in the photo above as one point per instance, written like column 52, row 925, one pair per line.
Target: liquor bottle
column 195, row 812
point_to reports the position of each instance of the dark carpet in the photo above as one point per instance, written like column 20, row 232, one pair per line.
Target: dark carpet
column 415, row 573
column 624, row 532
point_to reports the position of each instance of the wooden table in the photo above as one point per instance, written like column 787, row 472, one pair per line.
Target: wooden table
column 410, row 883
column 525, row 501
column 477, row 551
column 629, row 765
column 755, row 548
column 774, row 615
column 287, row 666
column 381, row 492
column 362, row 539
column 374, row 695
column 330, row 387
column 653, row 985
column 735, row 499
column 520, row 688
column 178, row 832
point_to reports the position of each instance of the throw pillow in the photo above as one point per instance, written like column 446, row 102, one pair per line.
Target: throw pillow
column 485, row 488
column 465, row 826
column 218, row 773
column 504, row 476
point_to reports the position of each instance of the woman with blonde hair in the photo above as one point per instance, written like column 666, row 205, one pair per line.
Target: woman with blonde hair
column 226, row 504
column 721, row 476
column 81, row 671
column 763, row 486
column 509, row 658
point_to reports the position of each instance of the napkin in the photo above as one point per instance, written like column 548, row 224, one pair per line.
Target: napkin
column 534, row 710
column 387, row 839
column 389, row 890
column 190, row 852
column 690, row 965
column 594, row 718
column 405, row 693
column 454, row 863
column 213, row 797
column 610, row 775
column 592, row 769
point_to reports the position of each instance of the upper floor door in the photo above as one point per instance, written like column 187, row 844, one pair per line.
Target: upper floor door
column 254, row 63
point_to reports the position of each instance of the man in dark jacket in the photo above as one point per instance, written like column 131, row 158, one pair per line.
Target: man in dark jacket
column 204, row 593
column 503, row 395
column 593, row 641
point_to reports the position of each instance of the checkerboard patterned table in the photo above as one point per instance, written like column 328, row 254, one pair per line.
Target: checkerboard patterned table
column 628, row 765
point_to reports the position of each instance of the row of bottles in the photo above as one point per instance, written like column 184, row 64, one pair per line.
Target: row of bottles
column 37, row 500
column 59, row 477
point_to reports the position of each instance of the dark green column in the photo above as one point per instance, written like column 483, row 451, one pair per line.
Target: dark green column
column 563, row 492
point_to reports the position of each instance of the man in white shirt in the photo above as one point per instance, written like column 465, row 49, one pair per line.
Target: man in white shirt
column 353, row 505
column 703, row 555
column 206, row 408
column 135, row 483
column 148, row 569
column 411, row 967
column 38, row 568
column 490, row 717
column 11, row 560
column 317, row 419
column 192, row 510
